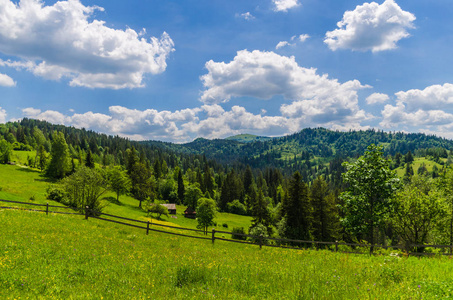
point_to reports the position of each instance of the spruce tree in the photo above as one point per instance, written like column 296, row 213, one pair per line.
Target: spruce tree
column 59, row 164
column 296, row 210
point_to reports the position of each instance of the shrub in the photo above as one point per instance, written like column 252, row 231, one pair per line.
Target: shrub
column 56, row 193
column 235, row 233
column 236, row 207
column 225, row 225
column 257, row 231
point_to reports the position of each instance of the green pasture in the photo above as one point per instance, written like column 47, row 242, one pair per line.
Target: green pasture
column 67, row 257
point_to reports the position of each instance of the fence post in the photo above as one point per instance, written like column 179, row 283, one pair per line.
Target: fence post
column 86, row 212
column 261, row 241
column 336, row 246
column 213, row 235
column 47, row 208
column 147, row 228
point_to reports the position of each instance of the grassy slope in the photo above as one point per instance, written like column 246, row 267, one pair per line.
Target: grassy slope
column 20, row 184
column 66, row 257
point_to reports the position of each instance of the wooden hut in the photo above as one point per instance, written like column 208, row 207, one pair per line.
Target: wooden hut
column 190, row 213
column 171, row 208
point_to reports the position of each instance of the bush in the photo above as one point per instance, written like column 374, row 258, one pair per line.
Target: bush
column 235, row 233
column 56, row 193
column 236, row 207
column 257, row 231
column 225, row 225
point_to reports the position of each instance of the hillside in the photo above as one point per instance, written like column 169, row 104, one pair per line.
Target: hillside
column 247, row 138
column 65, row 257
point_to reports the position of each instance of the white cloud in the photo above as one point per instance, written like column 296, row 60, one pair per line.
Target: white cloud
column 61, row 41
column 284, row 5
column 430, row 109
column 377, row 98
column 319, row 100
column 5, row 80
column 303, row 37
column 371, row 27
column 246, row 16
column 2, row 115
column 282, row 44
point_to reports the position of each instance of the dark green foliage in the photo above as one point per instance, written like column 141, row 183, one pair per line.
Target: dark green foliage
column 142, row 182
column 56, row 193
column 191, row 196
column 181, row 188
column 325, row 222
column 261, row 214
column 5, row 152
column 297, row 211
column 236, row 207
column 89, row 161
column 236, row 233
column 231, row 190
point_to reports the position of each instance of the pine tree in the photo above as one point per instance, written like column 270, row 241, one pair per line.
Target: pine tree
column 89, row 161
column 181, row 188
column 261, row 214
column 296, row 210
column 325, row 216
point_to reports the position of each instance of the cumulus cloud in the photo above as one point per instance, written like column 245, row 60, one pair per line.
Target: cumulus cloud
column 377, row 98
column 2, row 115
column 371, row 27
column 262, row 75
column 284, row 5
column 303, row 37
column 62, row 41
column 431, row 107
column 282, row 44
column 5, row 80
column 246, row 16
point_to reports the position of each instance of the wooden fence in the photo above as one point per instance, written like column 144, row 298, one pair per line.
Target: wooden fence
column 254, row 240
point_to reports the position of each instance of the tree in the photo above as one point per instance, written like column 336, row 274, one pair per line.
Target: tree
column 261, row 214
column 142, row 182
column 89, row 161
column 206, row 211
column 181, row 188
column 419, row 209
column 118, row 181
column 159, row 210
column 191, row 196
column 325, row 216
column 296, row 210
column 41, row 157
column 59, row 164
column 5, row 152
column 84, row 188
column 369, row 197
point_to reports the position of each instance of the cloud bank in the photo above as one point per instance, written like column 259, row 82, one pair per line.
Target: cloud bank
column 64, row 41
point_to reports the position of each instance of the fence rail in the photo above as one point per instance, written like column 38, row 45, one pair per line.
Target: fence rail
column 261, row 241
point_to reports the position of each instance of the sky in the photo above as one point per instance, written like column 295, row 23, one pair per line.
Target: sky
column 177, row 70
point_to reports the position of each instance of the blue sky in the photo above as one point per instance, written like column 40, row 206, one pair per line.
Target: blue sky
column 178, row 70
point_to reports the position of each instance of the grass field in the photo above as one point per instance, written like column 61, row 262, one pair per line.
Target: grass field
column 19, row 183
column 66, row 257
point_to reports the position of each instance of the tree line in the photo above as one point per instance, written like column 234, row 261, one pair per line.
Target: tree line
column 323, row 200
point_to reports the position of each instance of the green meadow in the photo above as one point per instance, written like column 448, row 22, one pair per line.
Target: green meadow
column 66, row 257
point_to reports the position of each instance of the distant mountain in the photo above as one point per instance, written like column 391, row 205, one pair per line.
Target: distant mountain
column 247, row 138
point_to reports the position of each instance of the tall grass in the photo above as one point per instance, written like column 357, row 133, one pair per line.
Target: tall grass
column 66, row 257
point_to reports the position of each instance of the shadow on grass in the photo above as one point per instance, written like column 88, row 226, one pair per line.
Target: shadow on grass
column 113, row 200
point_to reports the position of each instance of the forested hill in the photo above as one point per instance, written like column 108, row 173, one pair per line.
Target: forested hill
column 309, row 143
column 303, row 150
